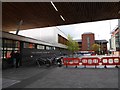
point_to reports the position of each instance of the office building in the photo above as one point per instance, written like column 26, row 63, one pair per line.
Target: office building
column 88, row 39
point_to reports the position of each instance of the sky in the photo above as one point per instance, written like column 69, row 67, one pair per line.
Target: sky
column 101, row 29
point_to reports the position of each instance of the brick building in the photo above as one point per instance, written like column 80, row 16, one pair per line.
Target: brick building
column 88, row 39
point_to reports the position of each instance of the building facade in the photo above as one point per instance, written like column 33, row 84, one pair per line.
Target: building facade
column 114, row 41
column 30, row 48
column 52, row 35
column 103, row 46
column 88, row 39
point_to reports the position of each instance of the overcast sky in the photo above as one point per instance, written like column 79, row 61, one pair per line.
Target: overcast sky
column 101, row 29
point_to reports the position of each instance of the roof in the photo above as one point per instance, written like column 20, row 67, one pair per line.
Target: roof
column 88, row 33
column 43, row 14
column 97, row 41
column 115, row 29
column 78, row 40
column 101, row 41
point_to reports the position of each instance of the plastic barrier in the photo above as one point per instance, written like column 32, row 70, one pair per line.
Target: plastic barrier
column 110, row 61
column 90, row 61
column 71, row 61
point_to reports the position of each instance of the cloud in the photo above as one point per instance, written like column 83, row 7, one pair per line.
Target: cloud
column 101, row 29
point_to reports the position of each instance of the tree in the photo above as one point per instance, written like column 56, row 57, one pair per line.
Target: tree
column 72, row 45
column 96, row 48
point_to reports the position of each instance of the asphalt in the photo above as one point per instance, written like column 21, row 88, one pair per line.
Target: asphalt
column 59, row 77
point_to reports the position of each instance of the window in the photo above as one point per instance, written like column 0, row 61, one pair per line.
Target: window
column 88, row 43
column 40, row 47
column 88, row 40
column 29, row 45
column 8, row 46
column 26, row 45
column 48, row 48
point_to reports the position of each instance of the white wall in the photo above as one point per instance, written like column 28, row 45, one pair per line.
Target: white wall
column 49, row 34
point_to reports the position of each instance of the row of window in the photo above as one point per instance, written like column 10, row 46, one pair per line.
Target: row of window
column 9, row 45
column 88, row 43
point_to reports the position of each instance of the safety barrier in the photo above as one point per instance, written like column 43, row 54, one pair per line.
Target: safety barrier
column 110, row 61
column 71, row 62
column 91, row 61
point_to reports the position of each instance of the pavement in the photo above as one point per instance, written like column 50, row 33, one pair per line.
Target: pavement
column 59, row 77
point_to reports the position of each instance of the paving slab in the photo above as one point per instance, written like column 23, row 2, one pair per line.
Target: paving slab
column 62, row 77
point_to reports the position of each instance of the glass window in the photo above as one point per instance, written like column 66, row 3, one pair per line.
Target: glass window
column 29, row 45
column 8, row 46
column 26, row 45
column 16, row 48
column 48, row 48
column 40, row 47
column 88, row 42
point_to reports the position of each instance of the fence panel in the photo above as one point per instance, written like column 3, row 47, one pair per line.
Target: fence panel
column 110, row 61
column 90, row 61
column 71, row 61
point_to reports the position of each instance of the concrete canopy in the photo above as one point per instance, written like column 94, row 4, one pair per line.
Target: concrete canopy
column 43, row 14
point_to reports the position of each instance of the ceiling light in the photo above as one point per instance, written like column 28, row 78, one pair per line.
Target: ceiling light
column 54, row 6
column 62, row 18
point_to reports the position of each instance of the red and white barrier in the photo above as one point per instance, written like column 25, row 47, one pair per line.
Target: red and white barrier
column 110, row 61
column 91, row 61
column 71, row 61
